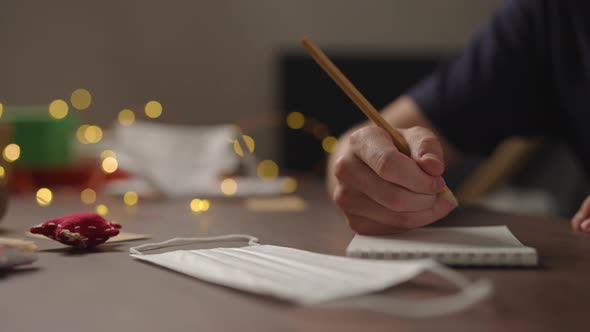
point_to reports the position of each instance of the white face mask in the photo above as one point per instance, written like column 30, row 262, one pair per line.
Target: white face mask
column 313, row 279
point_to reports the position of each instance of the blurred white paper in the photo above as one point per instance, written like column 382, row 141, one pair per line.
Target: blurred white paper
column 176, row 160
column 181, row 161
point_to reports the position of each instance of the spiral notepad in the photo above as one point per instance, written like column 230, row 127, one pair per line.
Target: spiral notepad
column 467, row 246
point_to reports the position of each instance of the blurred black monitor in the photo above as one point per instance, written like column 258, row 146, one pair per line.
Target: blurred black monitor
column 305, row 88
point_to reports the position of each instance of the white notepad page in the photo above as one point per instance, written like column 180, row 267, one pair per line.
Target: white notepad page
column 484, row 245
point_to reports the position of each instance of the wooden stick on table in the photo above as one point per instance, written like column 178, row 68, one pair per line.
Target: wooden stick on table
column 363, row 104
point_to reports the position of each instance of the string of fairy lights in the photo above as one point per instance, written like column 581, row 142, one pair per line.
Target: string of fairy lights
column 81, row 99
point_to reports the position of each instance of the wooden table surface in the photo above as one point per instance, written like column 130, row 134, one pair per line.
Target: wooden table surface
column 106, row 290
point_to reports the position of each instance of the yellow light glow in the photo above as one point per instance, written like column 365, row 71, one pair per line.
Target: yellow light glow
column 58, row 109
column 1, row 109
column 289, row 186
column 153, row 109
column 200, row 205
column 196, row 205
column 130, row 198
column 92, row 134
column 102, row 209
column 11, row 152
column 108, row 153
column 109, row 165
column 80, row 134
column 44, row 197
column 329, row 143
column 88, row 196
column 81, row 99
column 250, row 145
column 267, row 169
column 229, row 187
column 126, row 117
column 295, row 120
column 2, row 172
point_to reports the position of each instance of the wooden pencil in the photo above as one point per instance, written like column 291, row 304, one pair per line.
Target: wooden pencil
column 363, row 104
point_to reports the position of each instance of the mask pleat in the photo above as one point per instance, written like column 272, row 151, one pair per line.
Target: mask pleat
column 315, row 276
column 355, row 268
column 301, row 265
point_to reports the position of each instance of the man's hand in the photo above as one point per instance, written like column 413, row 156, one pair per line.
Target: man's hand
column 381, row 190
column 581, row 220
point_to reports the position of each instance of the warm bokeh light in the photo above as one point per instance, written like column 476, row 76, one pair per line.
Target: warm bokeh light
column 2, row 172
column 200, row 205
column 88, row 196
column 80, row 134
column 58, row 109
column 109, row 165
column 1, row 109
column 44, row 197
column 81, row 99
column 329, row 143
column 250, row 145
column 295, row 120
column 11, row 152
column 108, row 153
column 126, row 117
column 196, row 205
column 229, row 187
column 153, row 109
column 92, row 134
column 102, row 209
column 289, row 185
column 267, row 169
column 130, row 198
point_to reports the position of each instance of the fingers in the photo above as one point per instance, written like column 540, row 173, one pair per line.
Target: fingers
column 365, row 226
column 381, row 190
column 581, row 220
column 426, row 150
column 375, row 148
column 365, row 216
column 354, row 174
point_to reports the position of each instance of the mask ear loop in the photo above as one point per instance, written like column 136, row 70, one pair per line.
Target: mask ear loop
column 179, row 241
column 470, row 294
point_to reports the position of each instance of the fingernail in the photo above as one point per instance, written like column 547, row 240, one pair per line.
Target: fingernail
column 429, row 155
column 576, row 220
column 450, row 198
column 586, row 225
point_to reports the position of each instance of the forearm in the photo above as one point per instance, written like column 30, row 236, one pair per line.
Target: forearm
column 402, row 113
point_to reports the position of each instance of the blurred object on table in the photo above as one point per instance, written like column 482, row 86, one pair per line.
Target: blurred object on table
column 508, row 159
column 39, row 149
column 15, row 252
column 181, row 161
column 43, row 140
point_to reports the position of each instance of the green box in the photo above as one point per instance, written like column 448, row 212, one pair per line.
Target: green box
column 44, row 142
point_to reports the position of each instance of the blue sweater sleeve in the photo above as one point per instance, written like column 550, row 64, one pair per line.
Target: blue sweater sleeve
column 499, row 86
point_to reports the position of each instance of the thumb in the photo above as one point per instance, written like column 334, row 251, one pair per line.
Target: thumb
column 426, row 150
column 580, row 221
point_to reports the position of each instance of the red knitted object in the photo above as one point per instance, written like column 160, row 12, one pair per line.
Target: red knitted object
column 80, row 230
